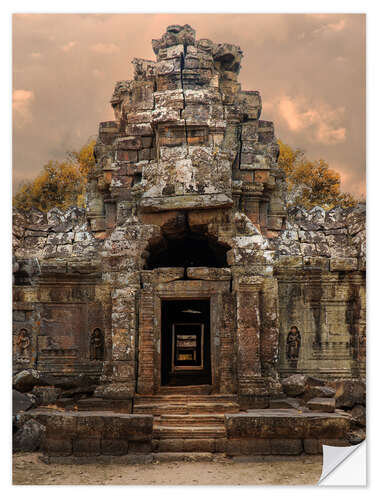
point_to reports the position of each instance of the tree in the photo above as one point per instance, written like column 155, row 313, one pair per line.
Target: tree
column 60, row 184
column 84, row 158
column 311, row 183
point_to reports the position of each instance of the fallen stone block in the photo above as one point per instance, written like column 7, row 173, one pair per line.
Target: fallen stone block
column 25, row 380
column 29, row 437
column 294, row 385
column 359, row 414
column 284, row 403
column 326, row 405
column 318, row 392
column 21, row 402
column 349, row 393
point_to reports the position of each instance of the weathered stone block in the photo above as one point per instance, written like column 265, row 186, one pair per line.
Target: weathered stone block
column 139, row 129
column 115, row 391
column 209, row 274
column 111, row 446
column 140, row 446
column 326, row 405
column 280, row 424
column 284, row 403
column 127, row 156
column 349, row 393
column 343, row 264
column 199, row 445
column 359, row 414
column 25, row 380
column 29, row 436
column 318, row 392
column 86, row 446
column 286, row 446
column 294, row 385
column 312, row 447
column 171, row 445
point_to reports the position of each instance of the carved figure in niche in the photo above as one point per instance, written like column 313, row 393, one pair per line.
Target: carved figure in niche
column 362, row 345
column 23, row 342
column 96, row 345
column 293, row 344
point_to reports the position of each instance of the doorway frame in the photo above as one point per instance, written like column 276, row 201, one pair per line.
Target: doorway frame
column 152, row 294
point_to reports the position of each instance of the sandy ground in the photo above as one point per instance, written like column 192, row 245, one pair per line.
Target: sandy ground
column 28, row 469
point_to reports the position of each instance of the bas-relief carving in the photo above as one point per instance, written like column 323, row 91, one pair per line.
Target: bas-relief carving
column 96, row 345
column 23, row 343
column 293, row 342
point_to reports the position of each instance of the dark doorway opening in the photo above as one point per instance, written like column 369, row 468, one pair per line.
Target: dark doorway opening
column 190, row 251
column 185, row 342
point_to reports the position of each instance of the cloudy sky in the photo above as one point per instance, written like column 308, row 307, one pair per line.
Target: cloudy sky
column 310, row 70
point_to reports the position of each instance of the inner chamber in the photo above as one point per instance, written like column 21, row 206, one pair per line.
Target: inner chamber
column 185, row 343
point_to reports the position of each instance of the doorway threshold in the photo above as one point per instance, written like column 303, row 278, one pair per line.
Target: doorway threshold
column 185, row 389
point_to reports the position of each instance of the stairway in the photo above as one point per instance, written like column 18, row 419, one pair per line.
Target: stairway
column 187, row 422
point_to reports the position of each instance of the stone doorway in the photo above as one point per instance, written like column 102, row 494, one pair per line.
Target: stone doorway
column 185, row 343
column 188, row 288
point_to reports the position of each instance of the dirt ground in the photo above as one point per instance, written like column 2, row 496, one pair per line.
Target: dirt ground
column 29, row 470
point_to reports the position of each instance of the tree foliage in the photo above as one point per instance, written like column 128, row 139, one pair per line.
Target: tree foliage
column 311, row 183
column 60, row 184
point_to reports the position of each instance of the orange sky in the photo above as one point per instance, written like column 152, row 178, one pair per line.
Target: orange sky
column 310, row 70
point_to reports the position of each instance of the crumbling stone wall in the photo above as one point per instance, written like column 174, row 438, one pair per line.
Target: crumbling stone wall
column 321, row 259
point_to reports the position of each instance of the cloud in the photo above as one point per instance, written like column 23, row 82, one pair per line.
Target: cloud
column 350, row 180
column 320, row 119
column 339, row 26
column 68, row 46
column 327, row 28
column 22, row 100
column 105, row 48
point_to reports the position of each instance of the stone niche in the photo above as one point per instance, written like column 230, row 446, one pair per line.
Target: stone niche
column 59, row 319
column 329, row 311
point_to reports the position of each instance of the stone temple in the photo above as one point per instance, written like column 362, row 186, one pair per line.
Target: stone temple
column 186, row 309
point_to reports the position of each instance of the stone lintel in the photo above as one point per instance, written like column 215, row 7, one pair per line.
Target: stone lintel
column 186, row 202
column 209, row 273
column 344, row 264
column 167, row 274
column 192, row 288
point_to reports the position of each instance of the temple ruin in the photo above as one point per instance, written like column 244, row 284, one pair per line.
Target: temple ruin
column 166, row 316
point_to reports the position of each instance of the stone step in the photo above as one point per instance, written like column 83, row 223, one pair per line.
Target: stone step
column 184, row 398
column 195, row 420
column 188, row 432
column 186, row 409
column 191, row 389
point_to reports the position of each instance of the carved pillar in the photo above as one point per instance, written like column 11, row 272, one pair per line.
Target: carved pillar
column 263, row 214
column 248, row 331
column 251, row 207
column 227, row 349
column 145, row 383
column 269, row 340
